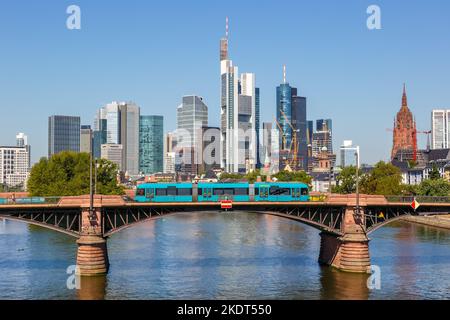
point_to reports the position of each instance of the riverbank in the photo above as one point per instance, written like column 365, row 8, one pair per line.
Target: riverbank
column 432, row 221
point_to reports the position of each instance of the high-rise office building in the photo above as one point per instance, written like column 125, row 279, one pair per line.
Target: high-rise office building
column 440, row 129
column 323, row 125
column 63, row 134
column 267, row 142
column 240, row 103
column 14, row 165
column 210, row 149
column 22, row 142
column 122, row 127
column 348, row 157
column 292, row 124
column 151, row 140
column 168, row 151
column 86, row 139
column 113, row 153
column 192, row 116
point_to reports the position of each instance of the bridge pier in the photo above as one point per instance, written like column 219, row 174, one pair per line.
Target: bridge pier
column 348, row 252
column 92, row 255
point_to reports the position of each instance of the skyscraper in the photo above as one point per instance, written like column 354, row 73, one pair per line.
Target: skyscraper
column 86, row 139
column 292, row 126
column 22, row 142
column 63, row 134
column 122, row 127
column 151, row 136
column 14, row 166
column 113, row 153
column 405, row 134
column 192, row 115
column 440, row 129
column 239, row 111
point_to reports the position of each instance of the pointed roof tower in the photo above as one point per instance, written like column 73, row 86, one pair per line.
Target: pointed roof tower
column 404, row 98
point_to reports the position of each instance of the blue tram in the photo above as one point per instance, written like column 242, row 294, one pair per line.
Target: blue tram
column 215, row 192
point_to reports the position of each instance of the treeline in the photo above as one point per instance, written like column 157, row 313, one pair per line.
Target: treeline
column 67, row 174
column 386, row 179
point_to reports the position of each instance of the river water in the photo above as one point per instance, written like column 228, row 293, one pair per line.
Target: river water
column 212, row 255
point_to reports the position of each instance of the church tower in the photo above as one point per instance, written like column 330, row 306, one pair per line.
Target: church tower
column 405, row 134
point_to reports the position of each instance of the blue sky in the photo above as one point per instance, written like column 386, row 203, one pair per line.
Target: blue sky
column 154, row 52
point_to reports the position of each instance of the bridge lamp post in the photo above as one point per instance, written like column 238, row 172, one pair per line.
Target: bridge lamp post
column 92, row 215
column 357, row 157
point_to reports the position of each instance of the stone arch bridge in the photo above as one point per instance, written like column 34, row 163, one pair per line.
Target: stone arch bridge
column 344, row 229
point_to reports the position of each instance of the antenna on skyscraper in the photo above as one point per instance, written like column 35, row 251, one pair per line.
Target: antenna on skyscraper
column 227, row 29
column 284, row 74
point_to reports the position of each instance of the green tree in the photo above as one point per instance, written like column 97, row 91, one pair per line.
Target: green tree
column 434, row 188
column 384, row 179
column 346, row 181
column 67, row 174
column 294, row 176
column 434, row 173
column 253, row 176
column 231, row 176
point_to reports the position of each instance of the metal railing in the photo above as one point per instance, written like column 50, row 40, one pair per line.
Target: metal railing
column 29, row 200
column 420, row 199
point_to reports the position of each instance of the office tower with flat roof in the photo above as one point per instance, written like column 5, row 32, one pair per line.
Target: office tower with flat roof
column 122, row 127
column 168, row 151
column 22, row 142
column 151, row 144
column 86, row 140
column 113, row 153
column 14, row 165
column 192, row 116
column 440, row 132
column 63, row 134
column 210, row 149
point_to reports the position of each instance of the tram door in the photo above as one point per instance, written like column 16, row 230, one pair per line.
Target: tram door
column 150, row 194
column 264, row 193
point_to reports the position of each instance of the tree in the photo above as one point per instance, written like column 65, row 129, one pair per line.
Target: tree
column 253, row 176
column 385, row 179
column 294, row 176
column 67, row 174
column 434, row 173
column 346, row 181
column 434, row 188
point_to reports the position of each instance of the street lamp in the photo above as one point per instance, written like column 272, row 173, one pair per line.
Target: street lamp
column 92, row 215
column 356, row 149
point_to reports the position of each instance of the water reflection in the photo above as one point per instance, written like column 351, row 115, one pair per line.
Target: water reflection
column 237, row 255
column 336, row 284
column 92, row 288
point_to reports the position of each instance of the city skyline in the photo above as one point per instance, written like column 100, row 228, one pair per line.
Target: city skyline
column 359, row 75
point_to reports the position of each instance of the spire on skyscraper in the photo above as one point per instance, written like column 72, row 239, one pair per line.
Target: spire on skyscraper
column 284, row 74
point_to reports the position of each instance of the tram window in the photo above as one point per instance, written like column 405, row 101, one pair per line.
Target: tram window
column 256, row 191
column 184, row 192
column 161, row 192
column 276, row 191
column 218, row 192
column 140, row 192
column 200, row 191
column 171, row 191
column 228, row 191
column 305, row 192
column 241, row 191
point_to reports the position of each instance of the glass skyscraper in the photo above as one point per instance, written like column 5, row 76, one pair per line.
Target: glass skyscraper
column 63, row 134
column 151, row 144
column 291, row 120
